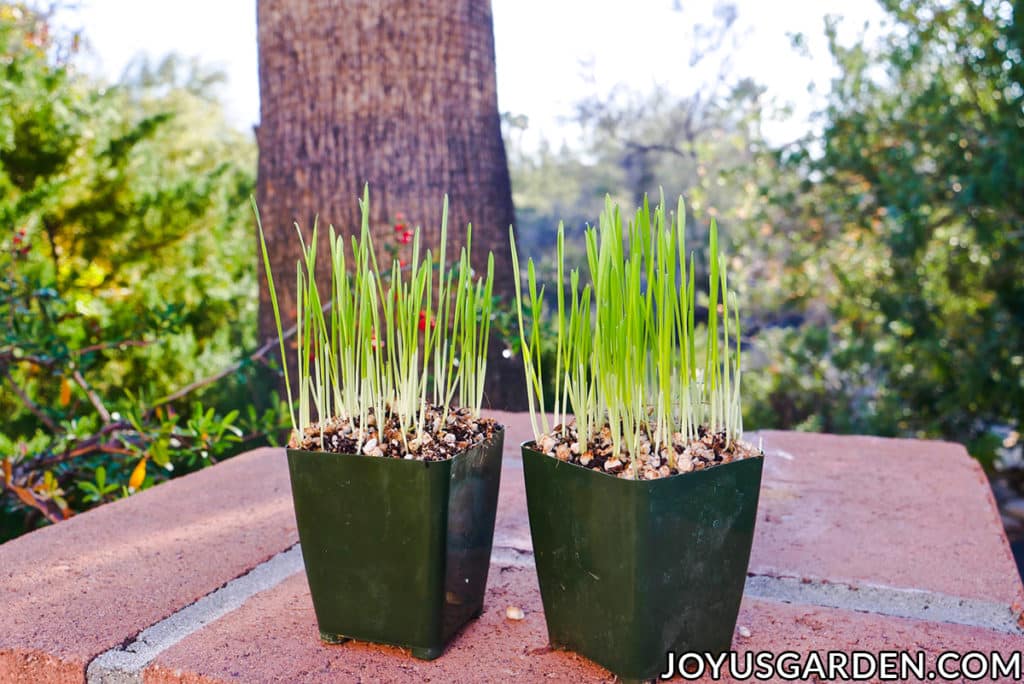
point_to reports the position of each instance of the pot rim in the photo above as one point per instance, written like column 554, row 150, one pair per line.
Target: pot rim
column 499, row 432
column 659, row 482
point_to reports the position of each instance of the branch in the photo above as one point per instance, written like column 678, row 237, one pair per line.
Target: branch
column 94, row 398
column 660, row 147
column 46, row 507
column 111, row 345
column 50, row 229
column 7, row 357
column 96, row 442
column 255, row 356
column 31, row 405
column 191, row 387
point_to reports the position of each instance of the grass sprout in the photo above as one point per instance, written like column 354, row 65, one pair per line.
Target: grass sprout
column 387, row 342
column 627, row 341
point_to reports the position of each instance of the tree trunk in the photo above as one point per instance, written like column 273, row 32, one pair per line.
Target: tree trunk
column 399, row 94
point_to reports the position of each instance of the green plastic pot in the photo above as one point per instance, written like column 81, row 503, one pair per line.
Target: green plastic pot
column 396, row 551
column 630, row 570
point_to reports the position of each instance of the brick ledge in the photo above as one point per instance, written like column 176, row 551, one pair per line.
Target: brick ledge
column 860, row 541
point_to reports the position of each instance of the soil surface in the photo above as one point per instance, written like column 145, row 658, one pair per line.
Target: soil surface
column 439, row 440
column 683, row 456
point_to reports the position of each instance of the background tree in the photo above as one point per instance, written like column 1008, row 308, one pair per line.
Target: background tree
column 397, row 94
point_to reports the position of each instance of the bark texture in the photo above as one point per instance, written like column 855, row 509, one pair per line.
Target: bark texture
column 399, row 94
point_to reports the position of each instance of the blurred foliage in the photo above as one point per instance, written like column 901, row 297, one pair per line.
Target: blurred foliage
column 913, row 202
column 880, row 261
column 122, row 211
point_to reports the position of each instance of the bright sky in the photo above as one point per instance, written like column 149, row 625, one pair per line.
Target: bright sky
column 541, row 47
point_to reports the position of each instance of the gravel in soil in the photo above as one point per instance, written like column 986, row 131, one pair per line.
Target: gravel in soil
column 443, row 435
column 653, row 462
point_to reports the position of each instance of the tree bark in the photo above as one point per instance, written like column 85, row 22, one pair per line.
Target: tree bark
column 399, row 94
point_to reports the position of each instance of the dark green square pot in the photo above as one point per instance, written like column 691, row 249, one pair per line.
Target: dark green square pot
column 396, row 551
column 630, row 570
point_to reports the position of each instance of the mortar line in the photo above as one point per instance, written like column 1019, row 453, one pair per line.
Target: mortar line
column 511, row 557
column 914, row 604
column 125, row 664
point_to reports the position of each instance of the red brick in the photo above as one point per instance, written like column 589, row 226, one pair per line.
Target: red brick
column 780, row 627
column 274, row 637
column 852, row 510
column 894, row 512
column 512, row 527
column 73, row 590
column 30, row 666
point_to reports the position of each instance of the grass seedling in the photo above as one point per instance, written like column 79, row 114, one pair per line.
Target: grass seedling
column 626, row 359
column 374, row 351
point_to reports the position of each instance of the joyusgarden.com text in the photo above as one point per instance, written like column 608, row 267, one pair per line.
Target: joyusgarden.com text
column 846, row 666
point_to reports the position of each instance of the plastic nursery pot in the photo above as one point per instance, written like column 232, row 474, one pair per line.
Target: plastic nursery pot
column 630, row 570
column 396, row 551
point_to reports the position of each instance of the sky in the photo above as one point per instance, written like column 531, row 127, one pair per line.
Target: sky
column 550, row 53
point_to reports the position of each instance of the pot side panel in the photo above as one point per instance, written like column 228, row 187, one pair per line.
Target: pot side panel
column 373, row 538
column 472, row 507
column 629, row 570
column 396, row 551
column 698, row 533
